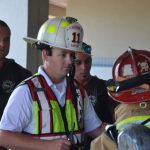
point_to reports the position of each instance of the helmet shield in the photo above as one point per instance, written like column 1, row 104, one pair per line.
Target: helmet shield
column 74, row 36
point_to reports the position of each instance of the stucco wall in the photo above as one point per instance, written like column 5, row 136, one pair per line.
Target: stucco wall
column 16, row 18
column 112, row 25
column 24, row 18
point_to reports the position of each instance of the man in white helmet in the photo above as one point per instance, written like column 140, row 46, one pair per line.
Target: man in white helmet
column 11, row 73
column 50, row 110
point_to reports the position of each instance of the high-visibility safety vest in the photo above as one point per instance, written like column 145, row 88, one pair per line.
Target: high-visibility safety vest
column 121, row 125
column 48, row 120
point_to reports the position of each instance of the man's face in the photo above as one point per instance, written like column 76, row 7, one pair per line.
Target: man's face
column 4, row 41
column 82, row 66
column 59, row 64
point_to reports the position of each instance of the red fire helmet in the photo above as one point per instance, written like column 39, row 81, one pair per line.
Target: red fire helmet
column 132, row 63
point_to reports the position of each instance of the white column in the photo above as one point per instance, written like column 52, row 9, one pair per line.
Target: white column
column 24, row 17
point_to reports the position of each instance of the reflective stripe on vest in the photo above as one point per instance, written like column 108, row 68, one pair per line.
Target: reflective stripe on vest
column 48, row 121
column 132, row 120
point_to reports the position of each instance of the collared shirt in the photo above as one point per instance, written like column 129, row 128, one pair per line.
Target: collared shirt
column 19, row 116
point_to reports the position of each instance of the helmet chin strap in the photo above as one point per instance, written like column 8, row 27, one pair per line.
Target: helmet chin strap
column 72, row 72
column 71, row 77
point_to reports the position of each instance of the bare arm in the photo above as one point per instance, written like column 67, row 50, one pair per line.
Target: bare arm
column 95, row 133
column 17, row 141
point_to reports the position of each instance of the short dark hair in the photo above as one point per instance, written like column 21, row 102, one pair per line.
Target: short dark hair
column 42, row 46
column 4, row 24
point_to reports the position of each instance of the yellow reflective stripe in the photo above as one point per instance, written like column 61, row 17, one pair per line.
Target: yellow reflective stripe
column 71, row 116
column 58, row 125
column 57, row 120
column 147, row 126
column 36, row 74
column 51, row 29
column 132, row 119
column 36, row 117
column 64, row 23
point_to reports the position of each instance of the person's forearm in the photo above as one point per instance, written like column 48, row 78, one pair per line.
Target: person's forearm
column 16, row 141
column 19, row 141
column 97, row 131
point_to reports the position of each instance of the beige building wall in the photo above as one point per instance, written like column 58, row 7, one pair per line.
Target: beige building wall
column 111, row 26
column 24, row 17
column 56, row 10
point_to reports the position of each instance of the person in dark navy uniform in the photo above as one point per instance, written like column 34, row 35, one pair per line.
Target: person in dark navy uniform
column 11, row 73
column 95, row 87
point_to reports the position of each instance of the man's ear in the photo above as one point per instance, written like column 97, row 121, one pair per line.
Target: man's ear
column 44, row 54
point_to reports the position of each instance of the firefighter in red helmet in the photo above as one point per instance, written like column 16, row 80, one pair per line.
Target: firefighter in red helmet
column 134, row 104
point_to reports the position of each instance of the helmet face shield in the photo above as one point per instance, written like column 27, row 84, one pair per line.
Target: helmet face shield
column 61, row 32
column 134, row 95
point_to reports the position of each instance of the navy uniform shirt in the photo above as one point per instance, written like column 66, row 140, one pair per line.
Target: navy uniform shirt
column 104, row 106
column 11, row 74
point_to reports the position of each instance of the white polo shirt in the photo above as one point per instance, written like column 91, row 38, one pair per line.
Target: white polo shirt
column 19, row 116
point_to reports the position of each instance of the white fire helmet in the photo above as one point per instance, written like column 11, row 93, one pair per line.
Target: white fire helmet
column 60, row 32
